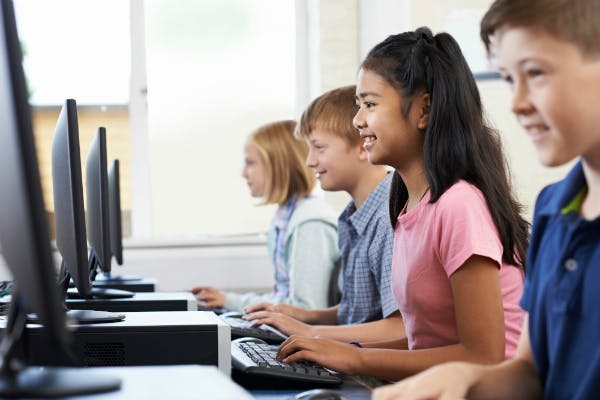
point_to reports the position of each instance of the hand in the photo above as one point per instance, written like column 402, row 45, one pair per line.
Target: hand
column 209, row 296
column 295, row 312
column 284, row 323
column 338, row 356
column 449, row 381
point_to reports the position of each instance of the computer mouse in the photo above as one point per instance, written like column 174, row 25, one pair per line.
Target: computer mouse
column 319, row 394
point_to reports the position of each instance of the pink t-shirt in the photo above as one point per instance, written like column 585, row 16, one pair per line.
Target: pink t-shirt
column 431, row 242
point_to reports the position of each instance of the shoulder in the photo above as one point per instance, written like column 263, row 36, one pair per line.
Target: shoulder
column 313, row 208
column 461, row 195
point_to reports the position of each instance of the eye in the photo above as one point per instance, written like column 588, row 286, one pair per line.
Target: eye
column 507, row 78
column 534, row 72
column 368, row 104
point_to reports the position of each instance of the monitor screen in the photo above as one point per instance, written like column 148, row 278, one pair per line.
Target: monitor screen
column 98, row 222
column 69, row 210
column 114, row 193
column 25, row 240
column 23, row 224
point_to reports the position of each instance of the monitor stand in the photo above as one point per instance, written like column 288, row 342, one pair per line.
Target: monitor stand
column 100, row 293
column 46, row 382
column 83, row 316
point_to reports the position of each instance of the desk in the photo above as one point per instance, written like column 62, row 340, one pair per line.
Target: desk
column 169, row 382
column 351, row 389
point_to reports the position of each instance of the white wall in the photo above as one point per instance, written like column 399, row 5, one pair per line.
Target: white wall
column 237, row 264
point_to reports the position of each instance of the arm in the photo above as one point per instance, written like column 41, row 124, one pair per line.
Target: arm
column 390, row 328
column 326, row 316
column 480, row 325
column 512, row 379
column 312, row 256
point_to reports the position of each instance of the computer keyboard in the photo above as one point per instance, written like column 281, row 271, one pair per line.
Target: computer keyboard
column 216, row 310
column 256, row 360
column 242, row 328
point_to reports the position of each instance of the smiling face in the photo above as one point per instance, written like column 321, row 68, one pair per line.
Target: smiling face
column 334, row 161
column 555, row 92
column 390, row 138
column 254, row 171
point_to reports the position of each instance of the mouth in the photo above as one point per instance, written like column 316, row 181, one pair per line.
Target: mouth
column 368, row 140
column 537, row 132
column 318, row 174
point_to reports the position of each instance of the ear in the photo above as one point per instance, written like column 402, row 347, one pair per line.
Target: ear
column 424, row 110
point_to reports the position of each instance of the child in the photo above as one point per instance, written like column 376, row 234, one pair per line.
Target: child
column 302, row 240
column 365, row 236
column 459, row 238
column 549, row 53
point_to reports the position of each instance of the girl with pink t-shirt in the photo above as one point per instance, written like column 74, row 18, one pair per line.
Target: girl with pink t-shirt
column 460, row 241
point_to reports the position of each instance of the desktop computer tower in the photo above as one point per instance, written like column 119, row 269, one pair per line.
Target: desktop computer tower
column 155, row 301
column 148, row 338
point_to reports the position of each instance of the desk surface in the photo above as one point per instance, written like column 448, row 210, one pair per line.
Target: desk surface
column 170, row 382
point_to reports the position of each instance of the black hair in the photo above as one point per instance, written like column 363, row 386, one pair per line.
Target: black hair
column 458, row 143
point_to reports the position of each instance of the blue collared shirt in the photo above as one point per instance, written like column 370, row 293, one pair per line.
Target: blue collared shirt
column 366, row 239
column 562, row 293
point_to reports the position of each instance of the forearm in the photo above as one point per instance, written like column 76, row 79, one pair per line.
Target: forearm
column 394, row 344
column 399, row 364
column 513, row 379
column 326, row 316
column 391, row 328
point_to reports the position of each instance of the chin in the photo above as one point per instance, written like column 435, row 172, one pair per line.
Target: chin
column 373, row 159
column 549, row 158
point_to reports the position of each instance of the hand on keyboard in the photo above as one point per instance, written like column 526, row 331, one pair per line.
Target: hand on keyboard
column 242, row 328
column 284, row 323
column 257, row 358
column 338, row 356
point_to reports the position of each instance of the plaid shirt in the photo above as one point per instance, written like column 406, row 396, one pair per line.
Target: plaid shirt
column 365, row 238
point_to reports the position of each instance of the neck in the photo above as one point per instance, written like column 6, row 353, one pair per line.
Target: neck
column 367, row 182
column 416, row 185
column 590, row 208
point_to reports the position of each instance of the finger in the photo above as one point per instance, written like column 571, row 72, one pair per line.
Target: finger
column 305, row 355
column 256, row 315
column 203, row 296
column 297, row 343
column 389, row 392
column 212, row 303
column 257, row 307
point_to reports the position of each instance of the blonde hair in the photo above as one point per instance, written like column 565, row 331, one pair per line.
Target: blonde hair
column 575, row 21
column 333, row 111
column 284, row 158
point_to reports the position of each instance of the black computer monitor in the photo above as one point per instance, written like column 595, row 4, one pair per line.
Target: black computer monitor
column 116, row 227
column 98, row 219
column 116, row 224
column 25, row 240
column 69, row 214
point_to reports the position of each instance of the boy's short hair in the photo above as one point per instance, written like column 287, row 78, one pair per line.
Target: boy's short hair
column 333, row 112
column 576, row 21
column 284, row 158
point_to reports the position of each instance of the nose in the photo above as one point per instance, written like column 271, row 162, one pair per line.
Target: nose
column 521, row 103
column 311, row 159
column 358, row 121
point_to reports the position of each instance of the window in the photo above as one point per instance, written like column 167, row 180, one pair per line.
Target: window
column 78, row 49
column 216, row 71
